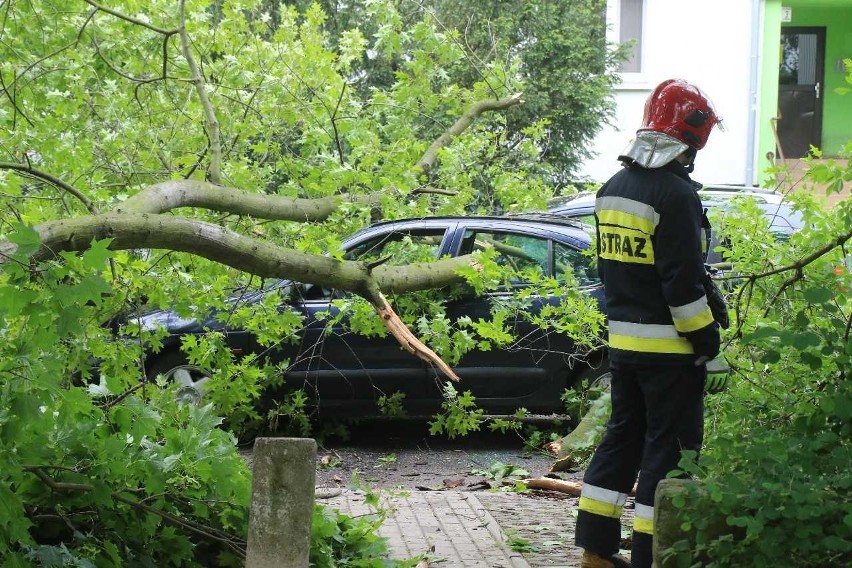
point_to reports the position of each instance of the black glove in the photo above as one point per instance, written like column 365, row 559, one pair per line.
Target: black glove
column 716, row 302
column 705, row 342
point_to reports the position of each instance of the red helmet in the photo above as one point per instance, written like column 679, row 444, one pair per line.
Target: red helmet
column 682, row 111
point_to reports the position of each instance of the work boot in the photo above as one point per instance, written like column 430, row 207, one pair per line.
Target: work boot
column 592, row 560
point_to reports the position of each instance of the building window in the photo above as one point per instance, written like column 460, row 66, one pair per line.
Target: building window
column 630, row 30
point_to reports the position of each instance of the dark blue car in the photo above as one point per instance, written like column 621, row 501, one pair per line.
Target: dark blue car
column 346, row 373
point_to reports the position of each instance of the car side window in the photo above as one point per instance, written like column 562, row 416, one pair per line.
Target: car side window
column 588, row 219
column 570, row 261
column 399, row 247
column 521, row 253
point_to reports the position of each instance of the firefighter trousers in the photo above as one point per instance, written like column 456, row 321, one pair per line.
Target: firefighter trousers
column 657, row 411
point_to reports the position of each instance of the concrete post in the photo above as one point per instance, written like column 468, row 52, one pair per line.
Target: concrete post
column 668, row 521
column 282, row 504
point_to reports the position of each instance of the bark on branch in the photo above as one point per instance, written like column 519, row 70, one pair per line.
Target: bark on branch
column 462, row 124
column 169, row 195
column 130, row 230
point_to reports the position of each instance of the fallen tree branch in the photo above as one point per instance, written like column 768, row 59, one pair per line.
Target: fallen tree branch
column 254, row 256
column 551, row 484
column 410, row 342
column 576, row 447
column 574, row 488
column 166, row 196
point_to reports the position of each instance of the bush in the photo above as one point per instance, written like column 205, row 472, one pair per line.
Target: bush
column 778, row 454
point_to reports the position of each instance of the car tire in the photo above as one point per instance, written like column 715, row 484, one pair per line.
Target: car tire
column 595, row 374
column 174, row 367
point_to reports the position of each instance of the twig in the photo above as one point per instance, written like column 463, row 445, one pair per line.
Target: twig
column 214, row 171
column 466, row 119
column 131, row 19
column 337, row 143
column 52, row 180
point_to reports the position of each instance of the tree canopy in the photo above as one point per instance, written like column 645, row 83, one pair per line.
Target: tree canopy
column 162, row 154
column 187, row 149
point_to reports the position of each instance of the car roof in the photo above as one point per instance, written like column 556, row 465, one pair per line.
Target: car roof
column 722, row 191
column 544, row 218
column 709, row 192
column 782, row 217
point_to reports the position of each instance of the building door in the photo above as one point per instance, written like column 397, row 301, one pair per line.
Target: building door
column 800, row 85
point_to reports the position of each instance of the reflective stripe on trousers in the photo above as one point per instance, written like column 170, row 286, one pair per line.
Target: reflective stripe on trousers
column 601, row 501
column 643, row 519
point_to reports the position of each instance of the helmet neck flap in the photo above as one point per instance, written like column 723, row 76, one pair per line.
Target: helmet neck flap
column 652, row 149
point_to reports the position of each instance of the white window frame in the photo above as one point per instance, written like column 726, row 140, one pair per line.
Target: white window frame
column 629, row 80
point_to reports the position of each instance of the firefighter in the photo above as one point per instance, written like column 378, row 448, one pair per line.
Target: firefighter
column 651, row 241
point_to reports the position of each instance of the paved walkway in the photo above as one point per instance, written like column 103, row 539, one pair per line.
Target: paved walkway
column 476, row 529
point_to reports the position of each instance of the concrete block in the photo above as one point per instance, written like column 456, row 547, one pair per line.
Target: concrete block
column 282, row 504
column 668, row 519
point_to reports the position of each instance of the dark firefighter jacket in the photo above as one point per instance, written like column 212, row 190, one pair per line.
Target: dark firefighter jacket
column 651, row 247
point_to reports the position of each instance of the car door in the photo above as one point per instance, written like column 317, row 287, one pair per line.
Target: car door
column 348, row 368
column 529, row 370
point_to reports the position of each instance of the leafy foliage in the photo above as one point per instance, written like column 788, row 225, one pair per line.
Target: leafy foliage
column 556, row 48
column 778, row 454
column 459, row 414
column 499, row 471
column 90, row 476
column 101, row 464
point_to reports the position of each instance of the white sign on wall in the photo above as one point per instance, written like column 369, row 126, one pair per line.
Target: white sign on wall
column 786, row 14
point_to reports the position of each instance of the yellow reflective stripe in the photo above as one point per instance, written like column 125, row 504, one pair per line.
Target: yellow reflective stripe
column 632, row 207
column 601, row 508
column 643, row 519
column 647, row 337
column 692, row 316
column 625, row 245
column 645, row 526
column 622, row 219
column 695, row 322
column 649, row 345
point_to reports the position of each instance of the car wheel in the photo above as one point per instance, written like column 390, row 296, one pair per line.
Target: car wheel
column 190, row 380
column 596, row 375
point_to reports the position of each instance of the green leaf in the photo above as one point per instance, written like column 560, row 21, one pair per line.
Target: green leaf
column 13, row 522
column 804, row 340
column 833, row 542
column 14, row 300
column 26, row 238
column 770, row 356
column 818, row 295
column 811, row 360
column 98, row 253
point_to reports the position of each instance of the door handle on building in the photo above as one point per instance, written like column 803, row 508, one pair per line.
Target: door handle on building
column 817, row 89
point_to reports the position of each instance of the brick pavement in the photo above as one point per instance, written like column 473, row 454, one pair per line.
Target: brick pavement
column 473, row 529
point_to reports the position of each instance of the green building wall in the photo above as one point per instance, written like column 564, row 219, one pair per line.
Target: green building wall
column 836, row 17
